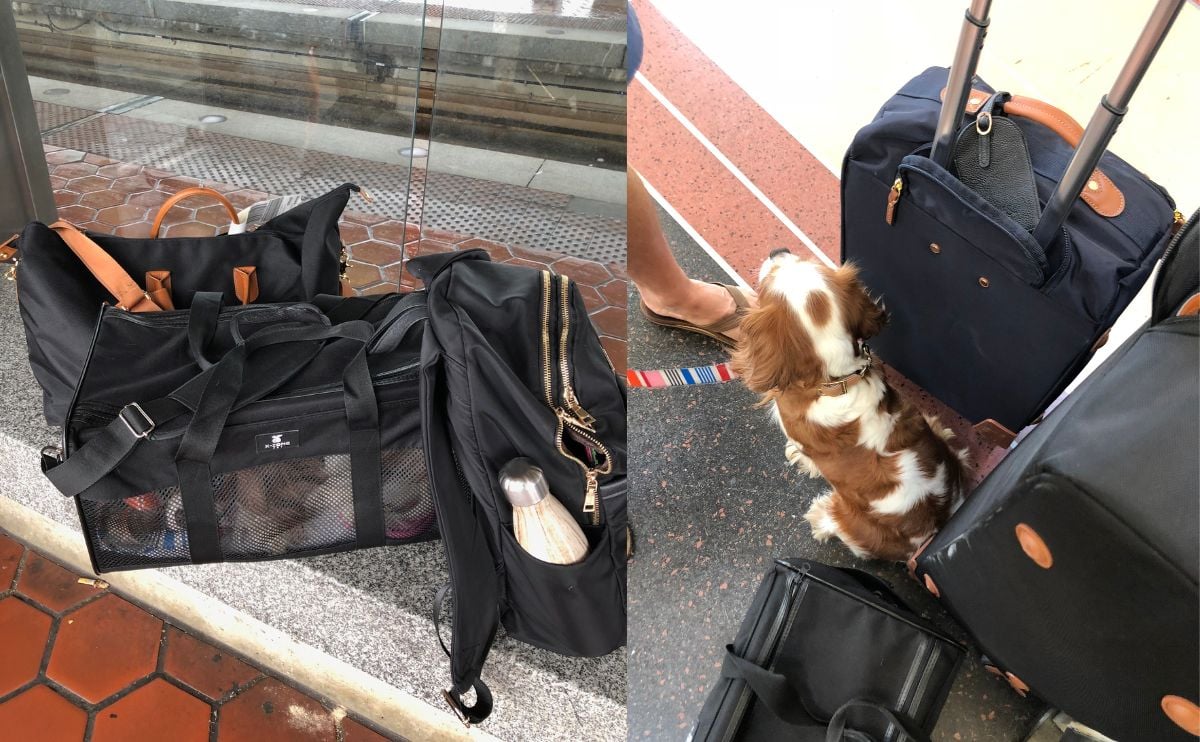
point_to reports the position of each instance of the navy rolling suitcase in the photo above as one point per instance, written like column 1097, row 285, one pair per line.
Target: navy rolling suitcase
column 990, row 317
column 1075, row 564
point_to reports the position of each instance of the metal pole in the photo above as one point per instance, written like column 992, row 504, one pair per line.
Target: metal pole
column 25, row 193
column 1104, row 122
column 958, row 87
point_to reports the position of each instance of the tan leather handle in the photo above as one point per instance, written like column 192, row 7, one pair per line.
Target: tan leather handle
column 188, row 193
column 107, row 271
column 1100, row 193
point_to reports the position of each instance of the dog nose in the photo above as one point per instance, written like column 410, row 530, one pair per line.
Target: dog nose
column 779, row 251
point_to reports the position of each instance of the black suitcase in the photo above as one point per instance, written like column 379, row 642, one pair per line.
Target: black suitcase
column 828, row 653
column 988, row 317
column 1074, row 565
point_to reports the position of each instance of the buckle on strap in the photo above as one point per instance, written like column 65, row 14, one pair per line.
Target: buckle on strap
column 140, row 426
column 456, row 706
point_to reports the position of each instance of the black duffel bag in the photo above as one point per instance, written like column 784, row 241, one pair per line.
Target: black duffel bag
column 826, row 653
column 1076, row 563
column 65, row 275
column 303, row 438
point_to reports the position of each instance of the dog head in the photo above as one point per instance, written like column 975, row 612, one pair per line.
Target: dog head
column 807, row 325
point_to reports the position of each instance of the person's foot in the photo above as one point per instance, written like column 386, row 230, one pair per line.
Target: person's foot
column 703, row 305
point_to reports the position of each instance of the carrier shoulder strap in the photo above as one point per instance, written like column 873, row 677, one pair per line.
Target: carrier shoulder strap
column 129, row 295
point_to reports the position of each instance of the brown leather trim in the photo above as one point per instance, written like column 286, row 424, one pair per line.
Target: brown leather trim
column 107, row 271
column 912, row 560
column 188, row 193
column 994, row 671
column 1017, row 684
column 1100, row 193
column 158, row 286
column 1190, row 307
column 8, row 251
column 245, row 283
column 1101, row 341
column 1183, row 712
column 1034, row 547
column 995, row 433
column 932, row 587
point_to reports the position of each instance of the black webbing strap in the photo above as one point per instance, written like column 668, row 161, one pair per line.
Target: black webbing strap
column 347, row 308
column 400, row 319
column 202, row 324
column 105, row 452
column 468, row 715
column 783, row 699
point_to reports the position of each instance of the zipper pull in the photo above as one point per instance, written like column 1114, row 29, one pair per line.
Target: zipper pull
column 591, row 497
column 582, row 415
column 893, row 199
column 1177, row 224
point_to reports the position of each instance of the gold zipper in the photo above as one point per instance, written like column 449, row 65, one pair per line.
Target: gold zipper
column 1177, row 223
column 591, row 497
column 570, row 414
column 893, row 199
column 570, row 401
column 546, row 367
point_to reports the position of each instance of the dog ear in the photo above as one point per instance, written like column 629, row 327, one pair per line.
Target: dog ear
column 775, row 351
column 865, row 318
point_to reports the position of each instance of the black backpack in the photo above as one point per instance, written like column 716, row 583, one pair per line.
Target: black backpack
column 512, row 367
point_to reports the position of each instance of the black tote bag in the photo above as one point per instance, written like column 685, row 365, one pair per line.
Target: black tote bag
column 295, row 256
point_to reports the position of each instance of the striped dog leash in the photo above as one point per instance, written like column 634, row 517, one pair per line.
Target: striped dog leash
column 717, row 373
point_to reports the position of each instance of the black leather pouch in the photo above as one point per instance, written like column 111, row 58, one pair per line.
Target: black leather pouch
column 991, row 158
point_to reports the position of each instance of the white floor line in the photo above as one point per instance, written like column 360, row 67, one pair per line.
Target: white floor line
column 734, row 169
column 696, row 236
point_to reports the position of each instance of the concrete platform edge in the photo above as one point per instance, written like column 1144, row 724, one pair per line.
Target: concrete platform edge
column 392, row 710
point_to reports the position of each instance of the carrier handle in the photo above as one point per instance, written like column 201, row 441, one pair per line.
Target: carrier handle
column 188, row 193
column 135, row 423
column 221, row 393
column 790, row 704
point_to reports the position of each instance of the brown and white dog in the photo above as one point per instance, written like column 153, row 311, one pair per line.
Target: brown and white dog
column 896, row 475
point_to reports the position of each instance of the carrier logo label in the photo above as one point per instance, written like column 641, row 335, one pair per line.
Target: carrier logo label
column 276, row 441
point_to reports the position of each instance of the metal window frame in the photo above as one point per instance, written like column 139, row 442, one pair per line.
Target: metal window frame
column 25, row 193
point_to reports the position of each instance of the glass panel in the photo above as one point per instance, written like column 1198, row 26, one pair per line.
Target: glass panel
column 527, row 141
column 254, row 98
column 528, row 125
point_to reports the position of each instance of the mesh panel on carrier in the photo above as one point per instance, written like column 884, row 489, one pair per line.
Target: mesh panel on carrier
column 263, row 512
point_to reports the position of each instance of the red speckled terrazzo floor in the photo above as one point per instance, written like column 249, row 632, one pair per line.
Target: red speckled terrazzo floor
column 81, row 663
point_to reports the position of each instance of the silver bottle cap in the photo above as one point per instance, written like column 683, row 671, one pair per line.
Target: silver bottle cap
column 523, row 483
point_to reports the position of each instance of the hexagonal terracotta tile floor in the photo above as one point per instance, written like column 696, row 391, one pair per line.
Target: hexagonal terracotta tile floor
column 78, row 662
column 103, row 195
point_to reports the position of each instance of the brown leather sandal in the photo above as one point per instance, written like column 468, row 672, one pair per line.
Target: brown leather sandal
column 717, row 330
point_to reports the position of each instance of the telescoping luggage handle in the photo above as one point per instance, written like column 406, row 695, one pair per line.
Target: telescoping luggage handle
column 1100, row 128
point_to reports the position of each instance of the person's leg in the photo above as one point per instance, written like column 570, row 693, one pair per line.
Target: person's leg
column 663, row 285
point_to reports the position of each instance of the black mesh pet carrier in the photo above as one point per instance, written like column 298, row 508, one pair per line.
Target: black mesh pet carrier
column 304, row 438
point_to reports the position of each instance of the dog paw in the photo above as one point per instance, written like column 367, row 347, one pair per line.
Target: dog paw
column 795, row 456
column 938, row 428
column 821, row 521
